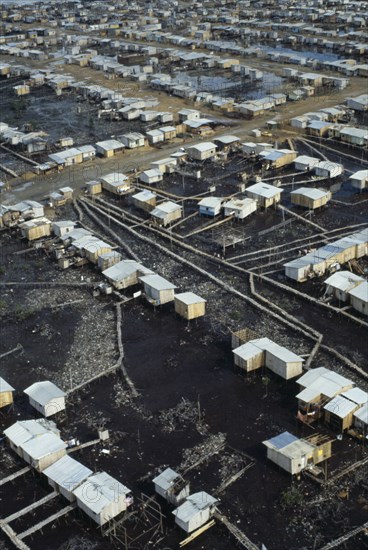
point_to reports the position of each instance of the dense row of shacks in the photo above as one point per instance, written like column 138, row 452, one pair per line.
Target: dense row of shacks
column 100, row 496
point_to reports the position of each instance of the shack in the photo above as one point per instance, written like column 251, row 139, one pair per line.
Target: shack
column 304, row 163
column 295, row 455
column 310, row 198
column 146, row 200
column 266, row 195
column 6, row 393
column 166, row 212
column 189, row 305
column 93, row 187
column 151, row 176
column 359, row 179
column 46, row 398
column 65, row 475
column 360, row 419
column 109, row 147
column 108, row 259
column 339, row 413
column 318, row 386
column 359, row 298
column 264, row 352
column 102, row 497
column 35, row 229
column 43, row 450
column 157, row 290
column 202, row 151
column 210, row 206
column 125, row 273
column 341, row 283
column 195, row 511
column 171, row 486
column 24, row 430
column 94, row 249
column 116, row 183
column 240, row 208
column 328, row 169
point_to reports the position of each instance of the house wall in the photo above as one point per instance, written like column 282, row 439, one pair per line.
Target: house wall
column 52, row 407
column 166, row 296
column 45, row 461
column 6, row 398
column 253, row 363
column 191, row 311
column 279, row 459
column 92, row 256
column 38, row 232
column 145, row 205
column 359, row 305
column 282, row 368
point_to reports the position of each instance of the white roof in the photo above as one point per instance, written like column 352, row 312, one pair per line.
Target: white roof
column 144, row 195
column 340, row 406
column 264, row 190
column 311, row 193
column 22, row 431
column 239, row 204
column 110, row 144
column 166, row 479
column 227, row 139
column 165, row 208
column 43, row 445
column 114, row 178
column 211, row 202
column 360, row 292
column 313, row 374
column 254, row 347
column 356, row 395
column 125, row 268
column 4, row 386
column 157, row 282
column 305, row 159
column 99, row 491
column 67, row 472
column 359, row 175
column 193, row 504
column 189, row 298
column 153, row 173
column 343, row 280
column 205, row 146
column 43, row 392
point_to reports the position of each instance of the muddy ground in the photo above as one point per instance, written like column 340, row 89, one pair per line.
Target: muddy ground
column 190, row 397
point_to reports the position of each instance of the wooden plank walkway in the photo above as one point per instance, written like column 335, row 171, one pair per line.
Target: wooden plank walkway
column 50, row 519
column 12, row 535
column 15, row 475
column 31, row 507
column 239, row 535
column 346, row 537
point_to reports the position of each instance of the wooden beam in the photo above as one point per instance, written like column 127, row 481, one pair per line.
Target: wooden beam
column 31, row 507
column 50, row 519
column 15, row 475
column 196, row 533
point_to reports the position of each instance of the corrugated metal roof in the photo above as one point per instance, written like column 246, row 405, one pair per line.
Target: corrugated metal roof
column 205, row 146
column 22, row 431
column 282, row 440
column 166, row 479
column 189, row 298
column 310, row 193
column 67, row 472
column 165, row 208
column 144, row 195
column 264, row 190
column 99, row 491
column 193, row 504
column 340, row 406
column 343, row 280
column 43, row 392
column 124, row 269
column 157, row 282
column 211, row 202
column 356, row 395
column 43, row 445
